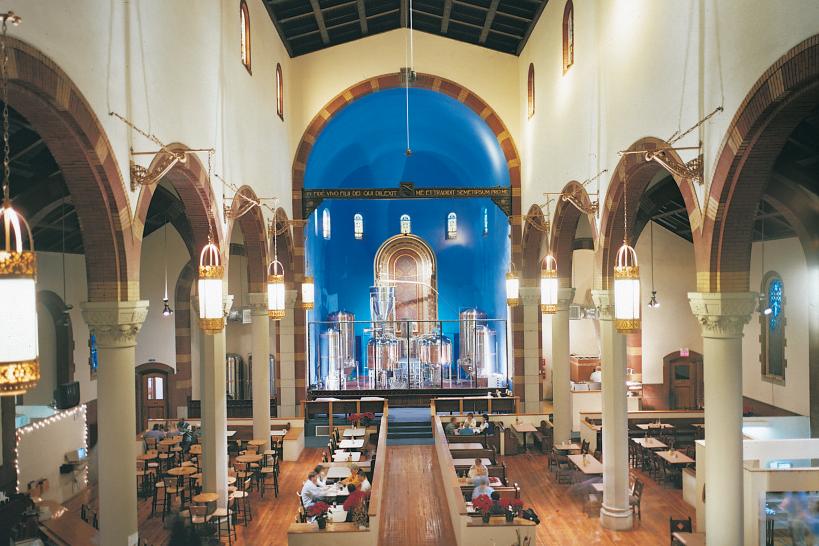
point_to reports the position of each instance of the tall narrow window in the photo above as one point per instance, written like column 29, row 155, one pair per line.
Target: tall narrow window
column 772, row 326
column 325, row 224
column 531, row 90
column 568, row 36
column 406, row 224
column 279, row 91
column 485, row 222
column 452, row 226
column 244, row 17
column 358, row 226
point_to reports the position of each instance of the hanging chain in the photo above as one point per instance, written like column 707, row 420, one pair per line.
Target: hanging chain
column 675, row 137
column 625, row 210
column 6, row 152
column 210, row 165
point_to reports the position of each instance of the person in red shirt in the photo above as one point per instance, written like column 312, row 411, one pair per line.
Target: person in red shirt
column 355, row 502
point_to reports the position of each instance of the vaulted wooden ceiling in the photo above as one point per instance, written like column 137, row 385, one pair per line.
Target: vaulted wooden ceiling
column 309, row 25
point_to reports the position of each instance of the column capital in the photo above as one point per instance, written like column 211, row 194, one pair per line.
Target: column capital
column 258, row 303
column 723, row 314
column 604, row 302
column 115, row 323
column 565, row 297
column 530, row 295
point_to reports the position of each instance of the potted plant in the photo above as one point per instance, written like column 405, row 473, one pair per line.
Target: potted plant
column 512, row 508
column 483, row 504
column 319, row 511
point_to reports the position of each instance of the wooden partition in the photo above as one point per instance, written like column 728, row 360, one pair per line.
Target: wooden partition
column 349, row 534
column 590, row 428
column 329, row 408
column 475, row 404
column 469, row 530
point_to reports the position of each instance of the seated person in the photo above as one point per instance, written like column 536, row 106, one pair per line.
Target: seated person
column 482, row 487
column 484, row 425
column 155, row 432
column 478, row 469
column 597, row 375
column 469, row 422
column 355, row 501
column 452, row 426
column 466, row 431
column 356, row 477
column 365, row 485
column 311, row 491
column 497, row 509
column 321, row 472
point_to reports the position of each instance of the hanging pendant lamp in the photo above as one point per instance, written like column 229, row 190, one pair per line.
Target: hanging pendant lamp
column 626, row 281
column 19, row 365
column 512, row 288
column 275, row 281
column 166, row 308
column 308, row 292
column 211, row 274
column 548, row 286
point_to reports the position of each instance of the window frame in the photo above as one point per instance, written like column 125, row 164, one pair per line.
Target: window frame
column 568, row 40
column 358, row 226
column 244, row 37
column 765, row 332
column 279, row 91
column 530, row 91
column 408, row 219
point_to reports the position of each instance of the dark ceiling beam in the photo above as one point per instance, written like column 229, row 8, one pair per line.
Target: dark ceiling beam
column 296, row 17
column 31, row 147
column 480, row 27
column 487, row 23
column 531, row 27
column 445, row 18
column 362, row 15
column 325, row 37
column 674, row 212
column 268, row 4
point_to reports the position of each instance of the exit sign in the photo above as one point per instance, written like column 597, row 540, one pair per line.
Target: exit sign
column 684, row 352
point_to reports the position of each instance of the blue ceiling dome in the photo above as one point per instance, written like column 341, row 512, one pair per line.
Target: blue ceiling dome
column 363, row 145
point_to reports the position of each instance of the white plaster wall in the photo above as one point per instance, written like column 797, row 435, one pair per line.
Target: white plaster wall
column 47, row 338
column 584, row 334
column 50, row 277
column 156, row 340
column 672, row 326
column 786, row 258
column 322, row 75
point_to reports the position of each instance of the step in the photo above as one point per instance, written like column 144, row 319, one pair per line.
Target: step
column 403, row 430
column 396, row 435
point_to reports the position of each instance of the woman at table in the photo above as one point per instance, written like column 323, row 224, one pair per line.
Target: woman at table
column 469, row 422
column 355, row 502
column 355, row 478
column 478, row 469
column 322, row 473
column 482, row 487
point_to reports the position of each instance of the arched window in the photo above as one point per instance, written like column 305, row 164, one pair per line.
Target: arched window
column 772, row 326
column 325, row 224
column 406, row 224
column 452, row 226
column 568, row 36
column 279, row 91
column 531, row 90
column 358, row 226
column 244, row 19
column 485, row 230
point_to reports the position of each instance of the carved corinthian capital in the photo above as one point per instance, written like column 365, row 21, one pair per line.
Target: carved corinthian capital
column 115, row 323
column 723, row 314
column 565, row 297
column 530, row 296
column 604, row 301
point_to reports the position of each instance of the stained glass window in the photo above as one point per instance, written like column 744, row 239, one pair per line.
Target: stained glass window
column 773, row 328
column 406, row 224
column 452, row 226
column 358, row 226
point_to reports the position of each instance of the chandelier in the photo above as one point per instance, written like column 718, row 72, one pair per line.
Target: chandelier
column 211, row 273
column 308, row 292
column 512, row 288
column 19, row 366
column 275, row 280
column 626, row 280
column 548, row 272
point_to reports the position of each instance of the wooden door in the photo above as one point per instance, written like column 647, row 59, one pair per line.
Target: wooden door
column 683, row 379
column 154, row 397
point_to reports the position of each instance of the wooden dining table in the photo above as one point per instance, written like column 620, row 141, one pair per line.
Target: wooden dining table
column 467, row 445
column 524, row 429
column 351, row 444
column 354, row 432
column 567, row 446
column 180, row 471
column 675, row 457
column 650, row 443
column 689, row 539
column 204, row 498
column 587, row 464
column 466, row 463
column 249, row 458
column 654, row 426
column 149, row 456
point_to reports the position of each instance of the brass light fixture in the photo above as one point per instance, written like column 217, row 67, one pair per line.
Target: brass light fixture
column 19, row 364
column 308, row 292
column 275, row 280
column 512, row 288
column 548, row 272
column 626, row 281
column 211, row 274
column 653, row 303
column 166, row 308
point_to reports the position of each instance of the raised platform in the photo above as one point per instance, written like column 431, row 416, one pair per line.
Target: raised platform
column 402, row 398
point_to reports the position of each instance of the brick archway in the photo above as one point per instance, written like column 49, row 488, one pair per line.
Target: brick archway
column 284, row 245
column 183, row 385
column 533, row 243
column 564, row 228
column 459, row 93
column 782, row 96
column 634, row 173
column 253, row 228
column 59, row 113
column 190, row 180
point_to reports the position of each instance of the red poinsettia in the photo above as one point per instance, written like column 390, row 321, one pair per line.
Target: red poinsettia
column 318, row 509
column 482, row 503
column 515, row 505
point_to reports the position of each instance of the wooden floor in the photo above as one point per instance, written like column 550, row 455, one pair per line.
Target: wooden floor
column 416, row 513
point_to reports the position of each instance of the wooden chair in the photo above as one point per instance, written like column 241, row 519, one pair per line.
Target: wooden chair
column 150, row 443
column 166, row 458
column 172, row 489
column 635, row 499
column 564, row 472
column 265, row 473
column 199, row 520
column 224, row 523
column 679, row 526
column 241, row 500
column 584, row 447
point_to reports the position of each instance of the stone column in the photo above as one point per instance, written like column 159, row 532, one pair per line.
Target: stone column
column 561, row 368
column 214, row 413
column 260, row 333
column 615, row 513
column 287, row 356
column 116, row 325
column 723, row 317
column 530, row 300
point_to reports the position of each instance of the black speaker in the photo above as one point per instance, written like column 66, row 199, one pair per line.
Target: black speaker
column 67, row 395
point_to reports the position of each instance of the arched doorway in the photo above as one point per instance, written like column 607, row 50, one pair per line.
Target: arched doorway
column 154, row 384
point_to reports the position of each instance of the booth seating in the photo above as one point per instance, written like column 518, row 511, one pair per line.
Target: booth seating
column 543, row 437
column 505, row 491
column 488, row 453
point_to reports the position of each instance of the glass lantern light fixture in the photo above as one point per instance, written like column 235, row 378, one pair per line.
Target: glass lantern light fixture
column 308, row 292
column 19, row 354
column 548, row 286
column 626, row 290
column 512, row 288
column 275, row 281
column 211, row 275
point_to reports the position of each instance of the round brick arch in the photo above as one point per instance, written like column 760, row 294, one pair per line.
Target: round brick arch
column 775, row 105
column 190, row 180
column 253, row 229
column 564, row 228
column 533, row 242
column 634, row 173
column 43, row 94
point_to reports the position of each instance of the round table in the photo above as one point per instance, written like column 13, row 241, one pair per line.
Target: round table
column 256, row 442
column 248, row 458
column 172, row 441
column 204, row 498
column 196, row 449
column 149, row 456
column 182, row 471
column 231, row 480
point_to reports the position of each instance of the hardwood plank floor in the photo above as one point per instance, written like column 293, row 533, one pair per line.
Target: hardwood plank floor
column 416, row 512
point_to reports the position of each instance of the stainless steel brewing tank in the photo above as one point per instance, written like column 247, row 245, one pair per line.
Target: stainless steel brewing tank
column 484, row 362
column 234, row 376
column 382, row 353
column 249, row 381
column 382, row 303
column 435, row 350
column 329, row 361
column 345, row 324
column 469, row 320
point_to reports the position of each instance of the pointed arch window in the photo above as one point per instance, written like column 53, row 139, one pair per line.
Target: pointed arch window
column 279, row 91
column 568, row 36
column 485, row 229
column 406, row 224
column 358, row 226
column 452, row 226
column 244, row 19
column 531, row 90
column 325, row 224
column 772, row 329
